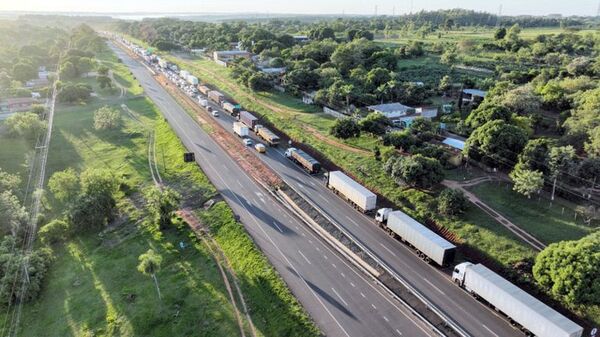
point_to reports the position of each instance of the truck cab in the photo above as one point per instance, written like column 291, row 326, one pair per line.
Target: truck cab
column 458, row 274
column 288, row 152
column 382, row 215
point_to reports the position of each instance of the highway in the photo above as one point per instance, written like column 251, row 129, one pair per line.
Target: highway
column 470, row 314
column 341, row 300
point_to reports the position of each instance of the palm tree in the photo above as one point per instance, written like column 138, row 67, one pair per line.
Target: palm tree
column 150, row 265
column 346, row 90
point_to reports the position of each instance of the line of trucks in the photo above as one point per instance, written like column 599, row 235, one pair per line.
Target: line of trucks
column 532, row 316
column 524, row 311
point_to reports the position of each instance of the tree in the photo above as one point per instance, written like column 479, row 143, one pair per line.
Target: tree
column 64, row 185
column 14, row 216
column 24, row 71
column 149, row 265
column 496, row 143
column 9, row 182
column 589, row 169
column 526, row 181
column 25, row 124
column 38, row 109
column 71, row 93
column 103, row 70
column 345, row 128
column 448, row 57
column 561, row 161
column 399, row 139
column 486, row 112
column 302, row 79
column 95, row 204
column 259, row 82
column 500, row 33
column 374, row 123
column 54, row 232
column 592, row 146
column 161, row 203
column 419, row 171
column 535, row 155
column 423, row 128
column 589, row 213
column 452, row 202
column 445, row 84
column 522, row 100
column 68, row 71
column 107, row 118
column 104, row 81
column 570, row 270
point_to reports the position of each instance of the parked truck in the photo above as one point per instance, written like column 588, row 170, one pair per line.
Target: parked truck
column 203, row 89
column 216, row 96
column 232, row 109
column 429, row 245
column 248, row 119
column 303, row 159
column 360, row 197
column 267, row 135
column 240, row 129
column 533, row 316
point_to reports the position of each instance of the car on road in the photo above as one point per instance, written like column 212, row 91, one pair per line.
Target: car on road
column 260, row 148
column 248, row 142
column 215, row 113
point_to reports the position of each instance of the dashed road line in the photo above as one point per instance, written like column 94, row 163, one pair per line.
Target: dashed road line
column 340, row 297
column 276, row 225
column 307, row 260
column 386, row 248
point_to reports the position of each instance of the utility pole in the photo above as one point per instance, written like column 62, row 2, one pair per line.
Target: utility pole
column 375, row 10
column 394, row 11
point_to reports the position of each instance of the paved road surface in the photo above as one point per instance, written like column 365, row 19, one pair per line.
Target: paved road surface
column 470, row 314
column 340, row 299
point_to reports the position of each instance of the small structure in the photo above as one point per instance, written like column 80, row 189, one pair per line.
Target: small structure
column 402, row 115
column 457, row 146
column 454, row 143
column 229, row 55
column 18, row 104
column 472, row 96
column 301, row 38
column 309, row 97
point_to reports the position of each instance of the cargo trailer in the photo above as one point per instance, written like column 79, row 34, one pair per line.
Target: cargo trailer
column 216, row 96
column 248, row 119
column 532, row 315
column 203, row 89
column 429, row 245
column 359, row 196
column 240, row 129
column 267, row 135
column 232, row 109
column 303, row 159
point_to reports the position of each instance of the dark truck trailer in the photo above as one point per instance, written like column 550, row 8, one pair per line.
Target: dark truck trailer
column 248, row 119
column 304, row 159
column 232, row 109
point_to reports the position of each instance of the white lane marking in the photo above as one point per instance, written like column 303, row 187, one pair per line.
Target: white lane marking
column 261, row 197
column 363, row 295
column 373, row 306
column 318, row 250
column 307, row 260
column 490, row 330
column 386, row 319
column 433, row 286
column 398, row 331
column 240, row 183
column 325, row 256
column 340, row 297
column 276, row 225
column 386, row 248
column 310, row 241
column 303, row 234
column 322, row 197
column 352, row 284
column 312, row 183
column 343, row 275
column 334, row 266
column 353, row 222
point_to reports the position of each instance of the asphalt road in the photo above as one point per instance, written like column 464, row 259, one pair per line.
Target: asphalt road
column 341, row 300
column 474, row 317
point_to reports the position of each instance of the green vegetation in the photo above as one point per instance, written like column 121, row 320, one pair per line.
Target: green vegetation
column 549, row 222
column 93, row 286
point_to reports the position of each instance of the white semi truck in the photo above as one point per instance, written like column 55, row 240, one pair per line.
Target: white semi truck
column 240, row 129
column 533, row 316
column 359, row 196
column 429, row 245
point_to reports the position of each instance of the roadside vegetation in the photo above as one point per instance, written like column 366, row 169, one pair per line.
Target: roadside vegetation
column 101, row 217
column 536, row 127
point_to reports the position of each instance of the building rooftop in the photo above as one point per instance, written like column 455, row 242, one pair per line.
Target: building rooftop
column 392, row 110
column 475, row 92
column 455, row 143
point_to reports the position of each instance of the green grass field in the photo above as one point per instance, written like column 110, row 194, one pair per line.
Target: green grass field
column 549, row 223
column 93, row 287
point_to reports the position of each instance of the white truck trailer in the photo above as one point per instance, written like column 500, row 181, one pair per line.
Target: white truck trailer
column 429, row 245
column 360, row 197
column 533, row 316
column 240, row 129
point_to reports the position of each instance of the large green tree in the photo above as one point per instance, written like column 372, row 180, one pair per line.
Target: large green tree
column 64, row 185
column 345, row 128
column 496, row 143
column 161, row 203
column 570, row 270
column 416, row 170
column 107, row 118
column 527, row 182
column 561, row 162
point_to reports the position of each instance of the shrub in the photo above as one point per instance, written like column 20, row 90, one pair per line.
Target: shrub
column 54, row 232
column 452, row 202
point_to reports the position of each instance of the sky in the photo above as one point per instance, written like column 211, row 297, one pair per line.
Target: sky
column 389, row 7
